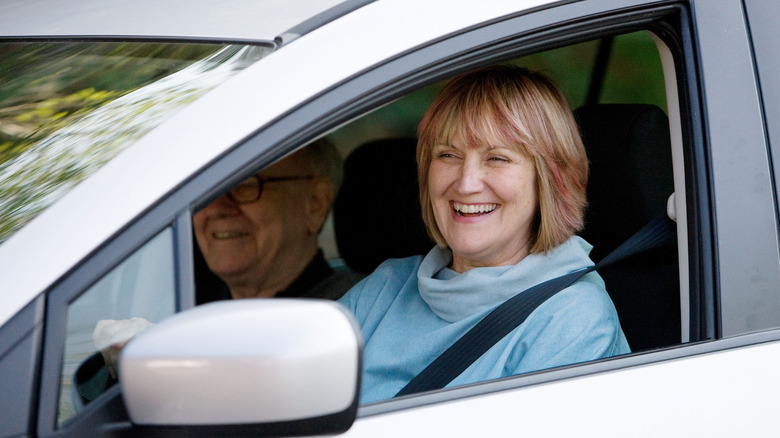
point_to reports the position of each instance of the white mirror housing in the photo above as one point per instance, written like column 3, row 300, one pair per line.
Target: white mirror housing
column 247, row 362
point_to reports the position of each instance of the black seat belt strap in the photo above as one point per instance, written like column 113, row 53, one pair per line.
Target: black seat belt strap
column 509, row 315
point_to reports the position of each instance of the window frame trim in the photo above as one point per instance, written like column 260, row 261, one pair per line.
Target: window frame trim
column 77, row 282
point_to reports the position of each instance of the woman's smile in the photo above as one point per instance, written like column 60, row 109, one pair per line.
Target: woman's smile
column 472, row 210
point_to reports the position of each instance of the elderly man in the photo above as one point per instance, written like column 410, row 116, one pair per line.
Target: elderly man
column 260, row 238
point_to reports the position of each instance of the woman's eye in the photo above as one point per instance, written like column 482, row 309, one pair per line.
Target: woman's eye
column 499, row 159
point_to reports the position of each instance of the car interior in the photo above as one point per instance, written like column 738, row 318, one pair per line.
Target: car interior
column 617, row 90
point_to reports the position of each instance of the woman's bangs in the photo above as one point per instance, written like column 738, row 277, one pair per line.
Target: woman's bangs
column 496, row 129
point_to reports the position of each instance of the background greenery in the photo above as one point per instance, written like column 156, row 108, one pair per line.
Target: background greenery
column 45, row 86
column 67, row 108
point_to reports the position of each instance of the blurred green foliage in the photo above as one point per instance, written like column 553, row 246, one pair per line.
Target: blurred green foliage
column 48, row 90
column 44, row 86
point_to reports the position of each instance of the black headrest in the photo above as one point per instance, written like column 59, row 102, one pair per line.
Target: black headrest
column 630, row 170
column 376, row 214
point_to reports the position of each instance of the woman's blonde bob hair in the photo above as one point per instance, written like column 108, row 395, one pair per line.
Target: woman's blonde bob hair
column 509, row 105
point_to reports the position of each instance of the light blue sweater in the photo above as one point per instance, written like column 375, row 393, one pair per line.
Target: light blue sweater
column 411, row 310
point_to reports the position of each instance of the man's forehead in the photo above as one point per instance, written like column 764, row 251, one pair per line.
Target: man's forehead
column 291, row 163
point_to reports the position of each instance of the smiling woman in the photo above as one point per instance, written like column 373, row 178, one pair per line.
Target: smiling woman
column 502, row 173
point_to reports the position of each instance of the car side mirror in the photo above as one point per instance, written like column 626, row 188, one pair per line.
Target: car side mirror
column 269, row 367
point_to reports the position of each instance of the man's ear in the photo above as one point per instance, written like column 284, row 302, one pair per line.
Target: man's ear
column 320, row 198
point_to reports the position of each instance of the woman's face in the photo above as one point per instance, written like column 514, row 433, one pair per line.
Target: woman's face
column 484, row 201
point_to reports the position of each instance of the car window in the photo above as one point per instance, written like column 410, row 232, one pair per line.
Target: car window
column 130, row 298
column 67, row 108
column 616, row 85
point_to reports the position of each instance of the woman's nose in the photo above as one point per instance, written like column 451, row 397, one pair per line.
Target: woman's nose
column 470, row 178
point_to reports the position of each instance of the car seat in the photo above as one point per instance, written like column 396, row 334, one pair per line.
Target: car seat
column 376, row 214
column 208, row 287
column 631, row 178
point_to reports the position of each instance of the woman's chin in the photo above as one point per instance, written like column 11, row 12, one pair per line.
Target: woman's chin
column 484, row 255
column 464, row 258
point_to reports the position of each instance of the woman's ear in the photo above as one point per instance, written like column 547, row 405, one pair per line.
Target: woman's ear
column 318, row 204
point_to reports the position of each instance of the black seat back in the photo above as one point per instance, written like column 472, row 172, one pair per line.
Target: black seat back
column 376, row 214
column 631, row 178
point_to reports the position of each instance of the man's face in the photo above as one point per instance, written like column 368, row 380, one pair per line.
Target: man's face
column 258, row 244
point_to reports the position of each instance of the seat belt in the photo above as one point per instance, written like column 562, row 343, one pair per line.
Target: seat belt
column 509, row 315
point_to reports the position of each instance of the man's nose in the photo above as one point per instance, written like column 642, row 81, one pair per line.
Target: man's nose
column 222, row 207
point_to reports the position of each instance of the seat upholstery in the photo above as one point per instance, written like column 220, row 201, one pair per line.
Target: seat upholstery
column 631, row 179
column 208, row 287
column 376, row 214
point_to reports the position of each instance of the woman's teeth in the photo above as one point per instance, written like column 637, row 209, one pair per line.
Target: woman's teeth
column 473, row 208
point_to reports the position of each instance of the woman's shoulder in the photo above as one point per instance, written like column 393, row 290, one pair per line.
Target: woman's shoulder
column 400, row 263
column 587, row 299
column 397, row 268
column 581, row 315
column 388, row 278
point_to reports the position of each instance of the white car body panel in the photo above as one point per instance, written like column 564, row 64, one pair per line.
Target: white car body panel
column 229, row 115
column 659, row 400
column 228, row 20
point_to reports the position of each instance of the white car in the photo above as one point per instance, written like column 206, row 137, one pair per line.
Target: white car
column 119, row 120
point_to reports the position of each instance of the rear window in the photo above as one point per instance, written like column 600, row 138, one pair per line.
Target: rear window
column 67, row 108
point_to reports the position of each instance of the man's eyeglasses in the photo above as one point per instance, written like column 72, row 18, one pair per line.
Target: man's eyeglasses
column 251, row 188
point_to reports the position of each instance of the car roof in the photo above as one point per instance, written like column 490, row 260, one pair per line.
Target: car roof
column 240, row 20
column 48, row 247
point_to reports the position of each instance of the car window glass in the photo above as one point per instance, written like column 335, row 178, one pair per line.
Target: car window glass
column 67, row 108
column 137, row 293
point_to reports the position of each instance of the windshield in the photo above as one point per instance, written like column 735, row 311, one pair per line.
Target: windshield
column 67, row 108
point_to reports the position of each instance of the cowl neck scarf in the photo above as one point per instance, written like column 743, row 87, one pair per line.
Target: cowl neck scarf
column 453, row 296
